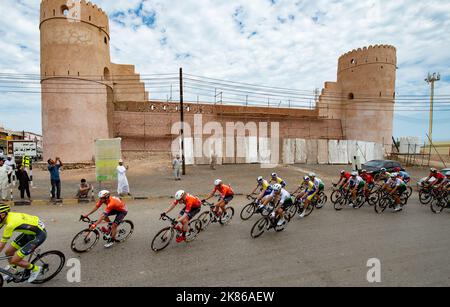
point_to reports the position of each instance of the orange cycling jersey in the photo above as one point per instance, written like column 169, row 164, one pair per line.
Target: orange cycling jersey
column 224, row 190
column 191, row 202
column 113, row 204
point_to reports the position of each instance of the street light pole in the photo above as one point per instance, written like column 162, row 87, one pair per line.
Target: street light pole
column 183, row 159
column 430, row 79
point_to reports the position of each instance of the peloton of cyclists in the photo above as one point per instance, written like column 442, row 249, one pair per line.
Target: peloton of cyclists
column 192, row 206
column 226, row 196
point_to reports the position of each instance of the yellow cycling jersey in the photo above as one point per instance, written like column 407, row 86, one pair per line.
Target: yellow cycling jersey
column 23, row 223
column 265, row 184
column 309, row 185
column 278, row 180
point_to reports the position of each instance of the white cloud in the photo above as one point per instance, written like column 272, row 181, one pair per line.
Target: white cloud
column 292, row 44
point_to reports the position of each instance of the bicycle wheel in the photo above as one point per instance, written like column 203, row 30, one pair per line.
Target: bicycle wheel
column 409, row 191
column 291, row 211
column 162, row 239
column 52, row 263
column 308, row 210
column 195, row 226
column 340, row 203
column 360, row 200
column 124, row 230
column 437, row 205
column 323, row 201
column 226, row 218
column 335, row 196
column 382, row 205
column 259, row 227
column 248, row 211
column 85, row 240
column 373, row 199
column 425, row 197
column 205, row 218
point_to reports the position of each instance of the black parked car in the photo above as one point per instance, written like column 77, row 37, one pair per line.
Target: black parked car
column 374, row 167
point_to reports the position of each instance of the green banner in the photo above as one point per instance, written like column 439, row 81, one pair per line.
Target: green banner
column 107, row 154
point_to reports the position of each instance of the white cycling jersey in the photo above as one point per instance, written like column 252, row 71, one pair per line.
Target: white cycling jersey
column 355, row 181
column 284, row 195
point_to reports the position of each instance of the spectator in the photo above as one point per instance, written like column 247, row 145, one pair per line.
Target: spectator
column 213, row 161
column 83, row 190
column 53, row 168
column 24, row 179
column 3, row 180
column 176, row 166
column 122, row 181
column 11, row 164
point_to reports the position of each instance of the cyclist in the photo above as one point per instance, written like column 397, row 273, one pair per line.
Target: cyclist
column 192, row 206
column 32, row 235
column 445, row 184
column 226, row 196
column 355, row 185
column 343, row 178
column 403, row 175
column 368, row 179
column 283, row 199
column 396, row 187
column 307, row 195
column 318, row 184
column 264, row 186
column 114, row 206
column 438, row 176
column 275, row 179
column 384, row 175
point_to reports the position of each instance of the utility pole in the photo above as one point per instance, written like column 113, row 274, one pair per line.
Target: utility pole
column 430, row 79
column 182, row 122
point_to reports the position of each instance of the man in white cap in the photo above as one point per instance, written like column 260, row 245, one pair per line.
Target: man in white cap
column 122, row 181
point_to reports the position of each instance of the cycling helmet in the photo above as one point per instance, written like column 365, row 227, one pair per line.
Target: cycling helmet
column 354, row 174
column 4, row 208
column 274, row 175
column 394, row 175
column 383, row 170
column 447, row 173
column 433, row 170
column 277, row 187
column 306, row 178
column 104, row 194
column 179, row 195
column 260, row 179
column 217, row 182
column 397, row 169
column 312, row 175
column 363, row 171
column 342, row 172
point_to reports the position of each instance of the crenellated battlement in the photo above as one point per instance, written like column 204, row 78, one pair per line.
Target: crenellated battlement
column 374, row 54
column 74, row 11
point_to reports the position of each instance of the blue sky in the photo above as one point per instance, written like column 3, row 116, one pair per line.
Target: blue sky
column 293, row 44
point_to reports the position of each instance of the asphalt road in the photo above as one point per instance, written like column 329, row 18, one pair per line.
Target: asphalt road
column 328, row 248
